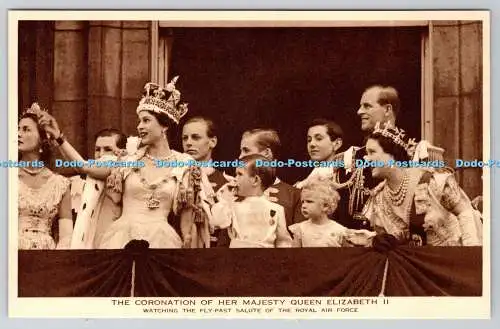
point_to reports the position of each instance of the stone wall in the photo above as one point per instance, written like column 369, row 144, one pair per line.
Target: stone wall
column 90, row 75
column 458, row 119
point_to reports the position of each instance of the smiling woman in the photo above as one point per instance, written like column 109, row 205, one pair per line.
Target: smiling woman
column 151, row 195
column 166, row 206
column 417, row 206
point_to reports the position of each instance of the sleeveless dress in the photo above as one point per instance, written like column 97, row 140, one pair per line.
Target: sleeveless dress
column 138, row 221
column 38, row 208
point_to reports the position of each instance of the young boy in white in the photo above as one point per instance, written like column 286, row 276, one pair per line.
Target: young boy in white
column 319, row 199
column 252, row 221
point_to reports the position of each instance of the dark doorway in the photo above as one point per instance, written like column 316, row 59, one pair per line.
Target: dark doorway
column 282, row 78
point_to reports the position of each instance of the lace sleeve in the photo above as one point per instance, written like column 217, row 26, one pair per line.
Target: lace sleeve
column 61, row 186
column 114, row 182
column 66, row 185
column 456, row 201
column 114, row 185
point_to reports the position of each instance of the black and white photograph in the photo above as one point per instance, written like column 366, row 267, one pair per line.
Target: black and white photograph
column 234, row 164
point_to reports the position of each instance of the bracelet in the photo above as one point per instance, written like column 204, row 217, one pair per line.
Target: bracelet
column 60, row 140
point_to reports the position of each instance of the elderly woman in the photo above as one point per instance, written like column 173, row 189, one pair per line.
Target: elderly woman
column 416, row 205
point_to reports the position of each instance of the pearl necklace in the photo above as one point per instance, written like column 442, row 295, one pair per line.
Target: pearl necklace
column 397, row 197
column 169, row 157
column 31, row 171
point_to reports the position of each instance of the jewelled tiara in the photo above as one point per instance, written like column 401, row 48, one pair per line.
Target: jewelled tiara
column 398, row 136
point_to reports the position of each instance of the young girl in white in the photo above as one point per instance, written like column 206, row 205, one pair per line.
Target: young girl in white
column 319, row 199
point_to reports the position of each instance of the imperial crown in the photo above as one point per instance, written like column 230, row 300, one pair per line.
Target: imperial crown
column 163, row 100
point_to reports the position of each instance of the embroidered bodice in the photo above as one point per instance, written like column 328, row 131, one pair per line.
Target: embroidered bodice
column 38, row 207
column 135, row 197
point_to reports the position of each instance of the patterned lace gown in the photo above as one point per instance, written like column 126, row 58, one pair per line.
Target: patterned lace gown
column 38, row 208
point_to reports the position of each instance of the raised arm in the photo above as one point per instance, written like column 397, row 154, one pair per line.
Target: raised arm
column 67, row 150
column 69, row 153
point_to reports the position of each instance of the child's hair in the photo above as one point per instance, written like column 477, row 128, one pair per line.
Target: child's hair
column 267, row 174
column 324, row 190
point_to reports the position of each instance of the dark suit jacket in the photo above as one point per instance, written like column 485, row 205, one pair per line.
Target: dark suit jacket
column 289, row 197
column 217, row 179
